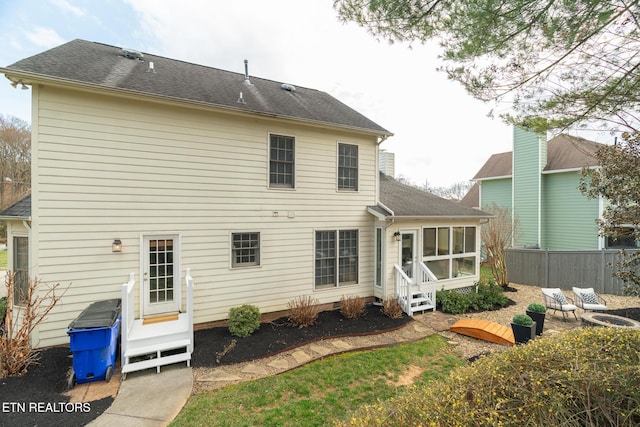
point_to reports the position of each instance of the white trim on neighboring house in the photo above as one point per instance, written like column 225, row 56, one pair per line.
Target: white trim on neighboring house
column 542, row 144
column 490, row 178
column 550, row 172
column 513, row 193
column 602, row 241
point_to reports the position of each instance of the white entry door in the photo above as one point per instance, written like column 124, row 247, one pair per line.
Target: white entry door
column 408, row 252
column 160, row 274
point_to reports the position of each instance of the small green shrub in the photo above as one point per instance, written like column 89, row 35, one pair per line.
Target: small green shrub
column 536, row 307
column 452, row 302
column 303, row 311
column 352, row 307
column 244, row 320
column 522, row 319
column 489, row 296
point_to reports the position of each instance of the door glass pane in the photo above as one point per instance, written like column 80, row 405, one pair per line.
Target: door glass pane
column 160, row 270
column 407, row 254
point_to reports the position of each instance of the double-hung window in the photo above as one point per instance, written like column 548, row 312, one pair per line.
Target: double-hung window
column 20, row 270
column 450, row 252
column 245, row 249
column 347, row 167
column 281, row 161
column 336, row 258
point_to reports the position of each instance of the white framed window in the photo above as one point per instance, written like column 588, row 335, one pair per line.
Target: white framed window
column 347, row 167
column 379, row 257
column 245, row 250
column 450, row 252
column 336, row 258
column 20, row 269
column 281, row 161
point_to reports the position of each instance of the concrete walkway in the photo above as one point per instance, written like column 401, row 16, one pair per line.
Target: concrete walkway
column 149, row 399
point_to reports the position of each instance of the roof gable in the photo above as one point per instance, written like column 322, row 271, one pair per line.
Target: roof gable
column 105, row 66
column 563, row 152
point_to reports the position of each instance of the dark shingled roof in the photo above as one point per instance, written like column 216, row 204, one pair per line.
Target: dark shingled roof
column 19, row 210
column 407, row 201
column 571, row 152
column 563, row 152
column 497, row 165
column 472, row 198
column 95, row 64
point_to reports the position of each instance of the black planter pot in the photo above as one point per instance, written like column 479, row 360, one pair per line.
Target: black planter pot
column 539, row 319
column 522, row 334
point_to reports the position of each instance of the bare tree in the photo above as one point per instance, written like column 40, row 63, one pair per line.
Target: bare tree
column 15, row 158
column 497, row 237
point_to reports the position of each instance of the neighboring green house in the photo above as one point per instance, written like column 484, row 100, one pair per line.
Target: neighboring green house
column 538, row 181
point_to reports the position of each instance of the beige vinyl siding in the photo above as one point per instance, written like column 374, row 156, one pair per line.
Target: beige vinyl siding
column 117, row 168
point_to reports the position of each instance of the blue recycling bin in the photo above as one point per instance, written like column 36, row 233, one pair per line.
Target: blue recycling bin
column 93, row 341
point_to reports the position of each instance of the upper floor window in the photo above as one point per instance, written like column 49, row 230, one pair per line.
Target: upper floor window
column 347, row 167
column 281, row 161
column 245, row 249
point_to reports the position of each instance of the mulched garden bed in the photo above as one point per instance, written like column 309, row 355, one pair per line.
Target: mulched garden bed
column 216, row 346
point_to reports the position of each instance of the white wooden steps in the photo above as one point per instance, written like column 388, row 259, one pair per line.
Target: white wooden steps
column 153, row 343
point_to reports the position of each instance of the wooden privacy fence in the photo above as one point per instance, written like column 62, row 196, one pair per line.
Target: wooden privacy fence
column 565, row 269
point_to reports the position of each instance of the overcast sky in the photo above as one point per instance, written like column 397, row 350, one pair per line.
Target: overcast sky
column 441, row 134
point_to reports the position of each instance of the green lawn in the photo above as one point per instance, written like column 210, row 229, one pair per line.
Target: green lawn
column 485, row 273
column 3, row 260
column 323, row 391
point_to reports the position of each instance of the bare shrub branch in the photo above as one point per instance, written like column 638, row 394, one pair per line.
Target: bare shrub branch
column 16, row 352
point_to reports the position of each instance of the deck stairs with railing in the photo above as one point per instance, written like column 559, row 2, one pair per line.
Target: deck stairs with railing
column 156, row 342
column 415, row 295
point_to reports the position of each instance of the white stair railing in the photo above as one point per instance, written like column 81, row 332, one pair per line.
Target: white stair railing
column 189, row 282
column 403, row 289
column 427, row 283
column 128, row 313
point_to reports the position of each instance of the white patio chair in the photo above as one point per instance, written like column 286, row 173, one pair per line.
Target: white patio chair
column 554, row 299
column 588, row 299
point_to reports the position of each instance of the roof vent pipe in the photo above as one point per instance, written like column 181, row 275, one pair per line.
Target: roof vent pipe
column 246, row 72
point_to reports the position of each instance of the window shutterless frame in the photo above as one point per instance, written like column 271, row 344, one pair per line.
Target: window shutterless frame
column 336, row 258
column 282, row 156
column 348, row 169
column 245, row 249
